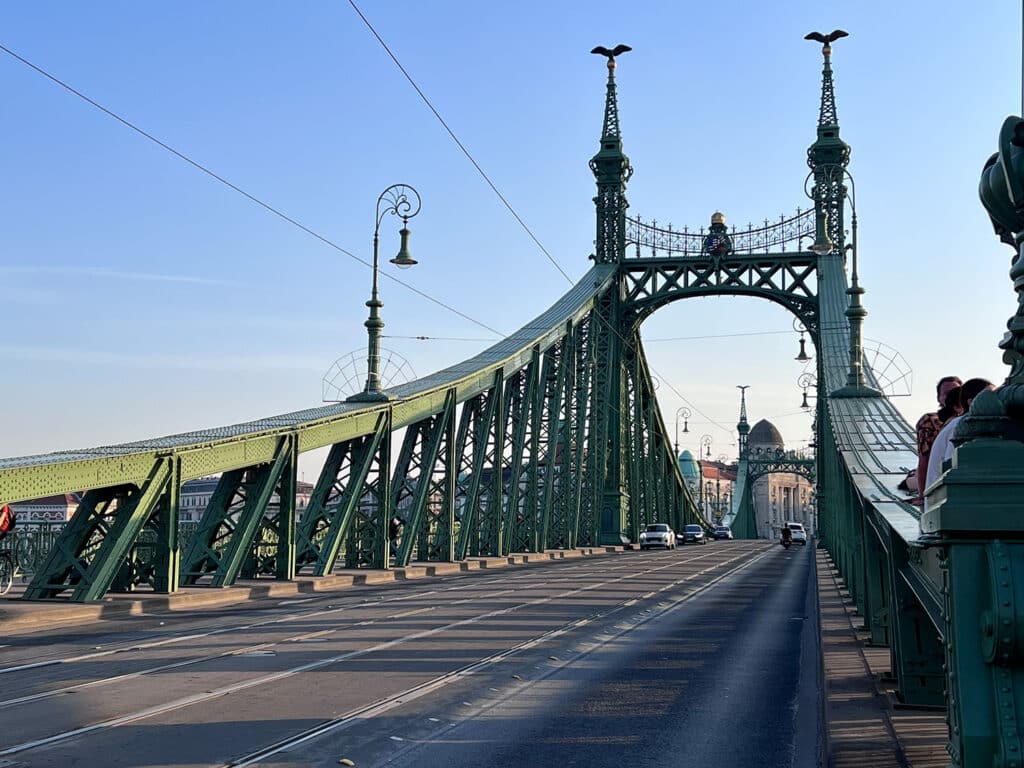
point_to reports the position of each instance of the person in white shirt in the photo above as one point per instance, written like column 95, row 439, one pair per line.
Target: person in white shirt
column 942, row 448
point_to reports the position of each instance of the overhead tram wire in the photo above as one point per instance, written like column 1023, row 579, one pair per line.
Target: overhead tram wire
column 497, row 192
column 460, row 145
column 437, row 338
column 285, row 217
column 280, row 214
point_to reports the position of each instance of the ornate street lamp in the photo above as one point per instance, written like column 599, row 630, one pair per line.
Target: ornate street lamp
column 705, row 446
column 805, row 381
column 398, row 200
column 686, row 414
column 802, row 356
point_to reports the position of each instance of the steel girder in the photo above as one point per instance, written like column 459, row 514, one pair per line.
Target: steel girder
column 227, row 539
column 423, row 491
column 566, row 408
column 782, row 465
column 788, row 279
column 95, row 545
column 335, row 496
column 743, row 521
column 367, row 544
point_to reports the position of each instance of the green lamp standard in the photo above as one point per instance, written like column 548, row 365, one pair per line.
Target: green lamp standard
column 686, row 414
column 398, row 200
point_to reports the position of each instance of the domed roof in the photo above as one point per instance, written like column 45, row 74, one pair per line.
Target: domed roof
column 688, row 465
column 765, row 433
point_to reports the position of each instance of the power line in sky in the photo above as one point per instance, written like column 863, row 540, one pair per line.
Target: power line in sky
column 285, row 217
column 267, row 206
column 460, row 144
column 719, row 335
column 502, row 197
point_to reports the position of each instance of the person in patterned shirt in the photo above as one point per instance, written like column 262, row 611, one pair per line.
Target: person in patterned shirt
column 929, row 425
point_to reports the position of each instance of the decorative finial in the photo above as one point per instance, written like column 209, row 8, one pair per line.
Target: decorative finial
column 616, row 51
column 826, row 40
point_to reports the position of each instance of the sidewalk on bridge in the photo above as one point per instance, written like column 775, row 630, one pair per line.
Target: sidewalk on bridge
column 21, row 616
column 865, row 729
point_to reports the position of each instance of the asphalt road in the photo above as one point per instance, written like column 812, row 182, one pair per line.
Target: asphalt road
column 702, row 656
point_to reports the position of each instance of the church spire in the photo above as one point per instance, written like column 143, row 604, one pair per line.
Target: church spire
column 612, row 170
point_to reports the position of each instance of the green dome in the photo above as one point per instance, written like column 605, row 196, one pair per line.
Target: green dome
column 688, row 466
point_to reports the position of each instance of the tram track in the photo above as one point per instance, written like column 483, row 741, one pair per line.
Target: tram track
column 389, row 703
column 336, row 604
column 533, row 583
column 336, row 659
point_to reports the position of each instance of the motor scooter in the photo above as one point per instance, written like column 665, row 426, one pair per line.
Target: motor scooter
column 787, row 538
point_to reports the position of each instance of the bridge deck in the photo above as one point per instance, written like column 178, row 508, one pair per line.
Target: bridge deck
column 527, row 635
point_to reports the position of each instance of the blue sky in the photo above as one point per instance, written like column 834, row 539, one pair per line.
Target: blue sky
column 145, row 298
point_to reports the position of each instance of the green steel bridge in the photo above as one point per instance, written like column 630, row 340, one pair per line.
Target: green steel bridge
column 552, row 438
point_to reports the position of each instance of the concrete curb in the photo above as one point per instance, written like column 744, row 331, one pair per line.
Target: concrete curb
column 18, row 616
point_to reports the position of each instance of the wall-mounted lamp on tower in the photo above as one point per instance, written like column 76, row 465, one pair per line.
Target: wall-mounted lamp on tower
column 686, row 414
column 705, row 447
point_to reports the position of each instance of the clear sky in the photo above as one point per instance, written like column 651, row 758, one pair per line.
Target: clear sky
column 145, row 298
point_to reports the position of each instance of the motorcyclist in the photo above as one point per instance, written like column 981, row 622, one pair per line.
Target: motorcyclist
column 395, row 531
column 787, row 536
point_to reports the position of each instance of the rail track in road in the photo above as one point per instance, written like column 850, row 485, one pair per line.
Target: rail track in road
column 113, row 689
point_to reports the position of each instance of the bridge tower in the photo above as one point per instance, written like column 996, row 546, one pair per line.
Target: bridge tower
column 611, row 350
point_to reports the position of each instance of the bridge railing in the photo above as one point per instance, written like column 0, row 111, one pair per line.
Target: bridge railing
column 648, row 240
column 866, row 521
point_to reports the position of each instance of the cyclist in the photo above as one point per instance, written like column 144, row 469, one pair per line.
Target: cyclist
column 7, row 522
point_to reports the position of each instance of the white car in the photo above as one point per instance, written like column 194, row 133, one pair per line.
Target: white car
column 658, row 535
column 799, row 534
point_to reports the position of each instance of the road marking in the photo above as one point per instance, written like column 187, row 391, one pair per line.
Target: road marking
column 187, row 701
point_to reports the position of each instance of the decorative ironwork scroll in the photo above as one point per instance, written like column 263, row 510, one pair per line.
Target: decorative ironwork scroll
column 651, row 241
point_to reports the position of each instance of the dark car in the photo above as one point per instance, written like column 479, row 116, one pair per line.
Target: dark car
column 722, row 532
column 694, row 534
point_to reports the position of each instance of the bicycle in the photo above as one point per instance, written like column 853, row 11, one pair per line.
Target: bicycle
column 8, row 570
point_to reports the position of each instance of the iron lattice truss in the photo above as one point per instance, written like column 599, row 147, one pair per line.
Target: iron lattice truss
column 522, row 448
column 787, row 279
column 782, row 463
column 645, row 240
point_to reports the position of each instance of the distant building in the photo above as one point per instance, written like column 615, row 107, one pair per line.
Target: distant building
column 690, row 470
column 50, row 510
column 196, row 494
column 718, row 487
column 778, row 498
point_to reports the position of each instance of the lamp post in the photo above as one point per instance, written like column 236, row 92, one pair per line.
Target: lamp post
column 856, row 386
column 806, row 380
column 705, row 446
column 398, row 200
column 686, row 414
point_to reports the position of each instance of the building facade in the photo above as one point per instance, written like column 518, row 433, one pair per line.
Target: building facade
column 718, row 488
column 196, row 494
column 778, row 498
column 48, row 511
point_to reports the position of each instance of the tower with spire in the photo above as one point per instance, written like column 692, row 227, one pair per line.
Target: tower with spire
column 743, row 427
column 612, row 170
column 829, row 155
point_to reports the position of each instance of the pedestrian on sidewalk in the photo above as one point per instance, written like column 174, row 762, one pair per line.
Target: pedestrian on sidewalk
column 928, row 428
